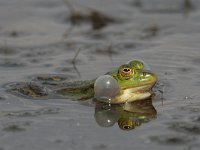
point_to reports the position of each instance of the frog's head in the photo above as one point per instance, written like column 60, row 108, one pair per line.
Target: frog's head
column 134, row 78
column 133, row 75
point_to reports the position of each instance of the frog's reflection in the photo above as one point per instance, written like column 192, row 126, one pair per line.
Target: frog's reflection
column 128, row 115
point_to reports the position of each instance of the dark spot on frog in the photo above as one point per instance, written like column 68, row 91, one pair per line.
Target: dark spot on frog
column 84, row 90
column 28, row 89
column 50, row 78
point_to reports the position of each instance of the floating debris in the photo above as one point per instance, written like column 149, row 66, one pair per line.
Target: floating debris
column 97, row 19
column 150, row 32
column 13, row 128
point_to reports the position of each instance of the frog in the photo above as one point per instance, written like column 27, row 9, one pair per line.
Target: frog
column 134, row 80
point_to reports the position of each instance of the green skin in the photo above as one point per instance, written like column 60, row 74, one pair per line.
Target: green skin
column 136, row 86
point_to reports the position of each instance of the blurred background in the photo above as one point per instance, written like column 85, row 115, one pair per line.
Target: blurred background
column 83, row 39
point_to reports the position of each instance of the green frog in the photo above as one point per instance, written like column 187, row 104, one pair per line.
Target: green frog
column 134, row 80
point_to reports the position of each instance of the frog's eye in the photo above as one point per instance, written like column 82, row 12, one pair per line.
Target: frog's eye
column 126, row 127
column 125, row 124
column 125, row 72
column 136, row 64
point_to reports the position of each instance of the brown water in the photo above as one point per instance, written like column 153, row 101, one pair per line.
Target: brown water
column 37, row 37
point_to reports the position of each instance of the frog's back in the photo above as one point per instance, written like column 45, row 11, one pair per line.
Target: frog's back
column 79, row 90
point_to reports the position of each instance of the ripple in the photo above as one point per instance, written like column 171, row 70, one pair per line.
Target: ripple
column 32, row 113
column 172, row 139
column 186, row 127
column 11, row 63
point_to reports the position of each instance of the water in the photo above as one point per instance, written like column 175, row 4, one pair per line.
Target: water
column 37, row 37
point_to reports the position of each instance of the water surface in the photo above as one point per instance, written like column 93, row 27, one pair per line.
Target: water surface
column 37, row 37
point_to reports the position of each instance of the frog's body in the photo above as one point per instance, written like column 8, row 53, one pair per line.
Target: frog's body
column 134, row 81
column 135, row 84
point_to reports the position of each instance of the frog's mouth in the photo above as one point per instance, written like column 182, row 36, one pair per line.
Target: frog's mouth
column 140, row 89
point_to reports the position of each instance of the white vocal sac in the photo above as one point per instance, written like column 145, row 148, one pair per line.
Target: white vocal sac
column 106, row 88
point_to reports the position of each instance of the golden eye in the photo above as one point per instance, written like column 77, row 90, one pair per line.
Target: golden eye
column 136, row 64
column 125, row 72
column 126, row 124
column 126, row 127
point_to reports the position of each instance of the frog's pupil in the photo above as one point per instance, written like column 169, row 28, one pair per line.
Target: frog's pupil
column 127, row 127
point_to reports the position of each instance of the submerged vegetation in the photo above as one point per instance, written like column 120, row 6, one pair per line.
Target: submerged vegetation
column 97, row 19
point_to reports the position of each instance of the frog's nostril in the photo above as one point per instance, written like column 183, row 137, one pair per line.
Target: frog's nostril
column 144, row 73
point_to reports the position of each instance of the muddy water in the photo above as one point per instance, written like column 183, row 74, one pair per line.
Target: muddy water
column 37, row 37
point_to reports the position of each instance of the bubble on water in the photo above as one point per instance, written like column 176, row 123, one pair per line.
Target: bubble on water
column 106, row 88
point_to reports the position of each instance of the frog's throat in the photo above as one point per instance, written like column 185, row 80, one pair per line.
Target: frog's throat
column 133, row 94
